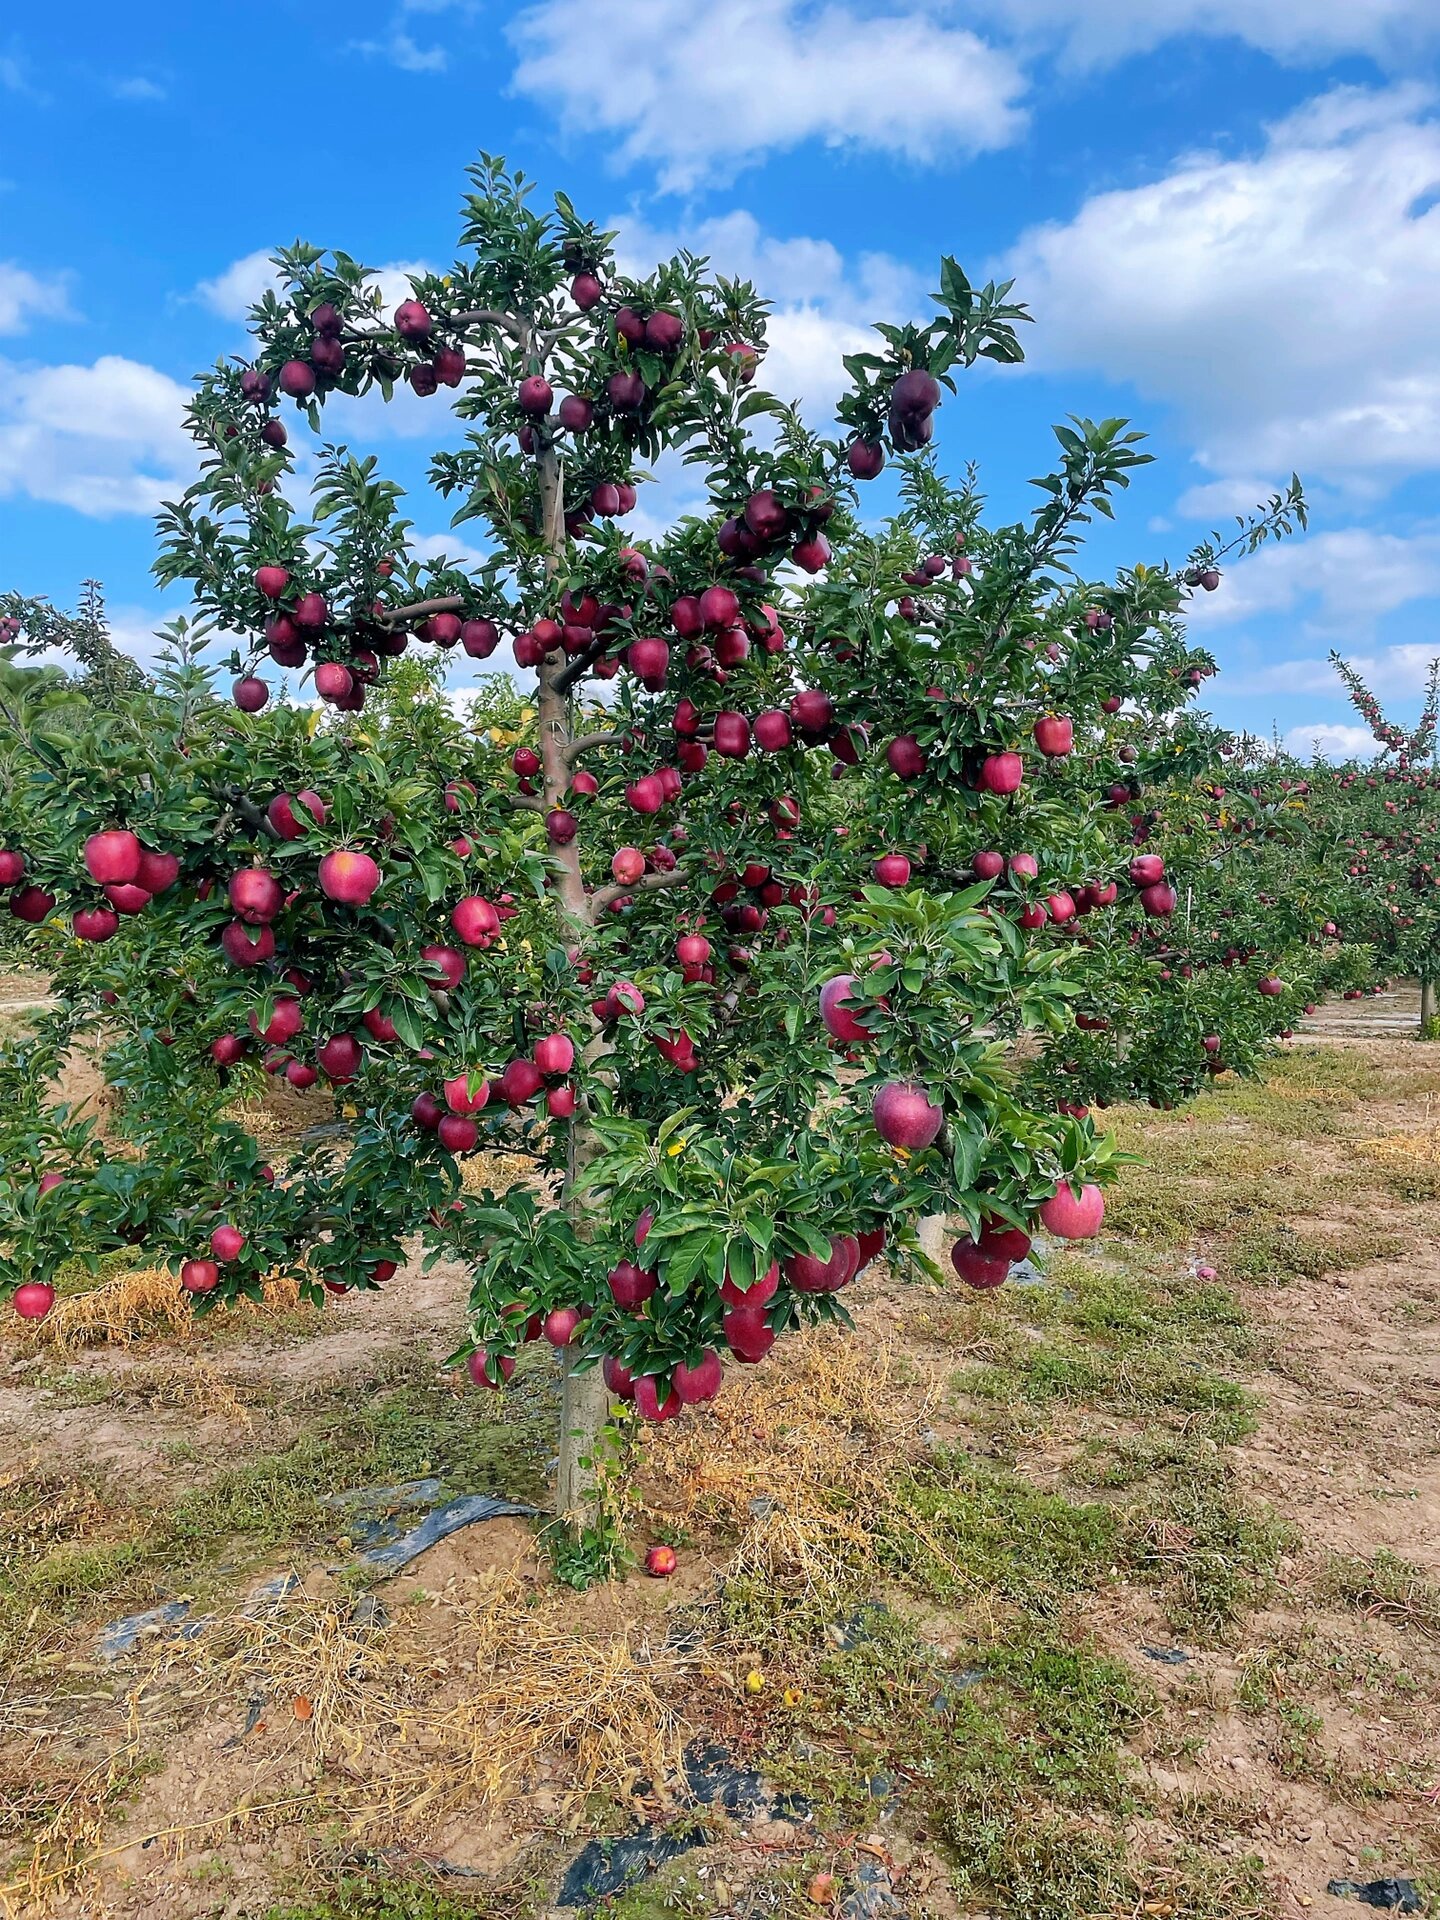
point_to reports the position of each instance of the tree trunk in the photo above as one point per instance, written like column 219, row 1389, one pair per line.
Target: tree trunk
column 585, row 1402
column 935, row 1237
column 1427, row 1004
column 584, row 1409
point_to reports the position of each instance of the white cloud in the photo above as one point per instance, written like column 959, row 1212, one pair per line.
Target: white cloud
column 236, row 289
column 402, row 50
column 1342, row 581
column 824, row 304
column 103, row 439
column 1287, row 304
column 26, row 296
column 1397, row 672
column 698, row 91
column 1330, row 742
column 1100, row 32
column 137, row 87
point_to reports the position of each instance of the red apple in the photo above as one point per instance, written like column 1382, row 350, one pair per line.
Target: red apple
column 660, row 1562
column 112, row 858
column 227, row 1243
column 905, row 1116
column 33, row 1299
column 1072, row 1218
column 349, row 877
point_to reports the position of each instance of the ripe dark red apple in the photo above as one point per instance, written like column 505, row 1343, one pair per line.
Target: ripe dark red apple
column 1158, row 901
column 227, row 1243
column 699, row 1383
column 1147, row 870
column 905, row 1116
column 813, row 712
column 630, row 1285
column 247, row 946
column 412, row 320
column 448, row 962
column 692, row 950
column 1072, row 1218
column 755, row 1295
column 199, row 1276
column 892, row 870
column 256, row 895
column 31, row 904
column 660, row 1562
column 33, row 1299
column 249, row 694
column 459, row 1097
column 427, row 1112
column 1002, row 773
column 340, row 1057
column 297, row 378
column 520, row 1082
column 812, row 555
column 746, row 1333
column 560, row 1102
column 916, row 393
column 457, row 1134
column 96, row 924
column 157, row 871
column 283, row 818
column 112, row 858
column 719, row 609
column 664, row 332
column 626, row 391
column 1054, row 735
column 840, row 1020
column 561, row 826
column 227, row 1049
column 808, row 1274
column 987, row 865
column 555, row 1054
column 905, row 757
column 490, row 1371
column 479, row 638
column 475, row 921
column 127, row 900
column 646, row 795
column 561, row 1325
column 627, row 865
column 12, row 867
column 772, row 730
column 649, row 659
column 285, row 1022
column 732, row 734
column 535, row 396
column 977, row 1267
column 349, row 877
column 865, row 459
column 648, row 1403
column 586, row 291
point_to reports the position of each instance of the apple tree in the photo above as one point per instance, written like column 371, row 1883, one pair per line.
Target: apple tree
column 755, row 924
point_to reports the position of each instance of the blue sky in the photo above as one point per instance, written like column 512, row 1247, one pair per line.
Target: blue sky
column 1225, row 214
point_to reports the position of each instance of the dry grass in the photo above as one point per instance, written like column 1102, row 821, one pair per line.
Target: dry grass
column 1405, row 1149
column 380, row 1730
column 150, row 1301
column 797, row 1462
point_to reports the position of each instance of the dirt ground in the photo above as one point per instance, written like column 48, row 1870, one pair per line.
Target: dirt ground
column 1150, row 1551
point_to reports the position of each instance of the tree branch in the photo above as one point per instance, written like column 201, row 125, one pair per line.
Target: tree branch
column 488, row 317
column 254, row 817
column 523, row 802
column 647, row 883
column 446, row 603
column 579, row 667
column 589, row 740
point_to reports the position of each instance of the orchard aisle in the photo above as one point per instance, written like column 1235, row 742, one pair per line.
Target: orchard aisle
column 1117, row 1592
